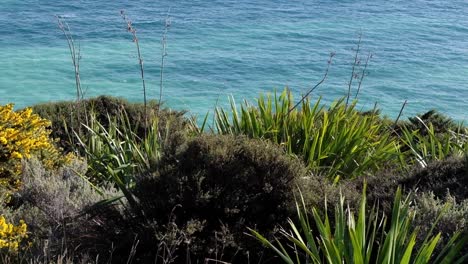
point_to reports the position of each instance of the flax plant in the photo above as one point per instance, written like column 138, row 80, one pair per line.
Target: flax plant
column 338, row 141
column 431, row 146
column 116, row 155
column 369, row 238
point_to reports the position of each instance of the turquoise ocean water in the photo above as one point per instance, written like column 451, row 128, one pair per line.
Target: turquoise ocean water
column 217, row 48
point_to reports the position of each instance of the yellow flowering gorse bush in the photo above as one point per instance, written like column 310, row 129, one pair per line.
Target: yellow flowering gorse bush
column 23, row 134
column 11, row 235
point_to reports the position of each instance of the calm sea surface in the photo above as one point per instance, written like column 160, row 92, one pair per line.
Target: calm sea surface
column 217, row 48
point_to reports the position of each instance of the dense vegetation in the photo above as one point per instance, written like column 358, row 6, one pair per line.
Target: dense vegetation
column 103, row 180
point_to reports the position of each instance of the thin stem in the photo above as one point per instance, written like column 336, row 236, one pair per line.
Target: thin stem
column 132, row 31
column 74, row 54
column 167, row 24
column 401, row 112
column 316, row 86
column 363, row 74
column 356, row 55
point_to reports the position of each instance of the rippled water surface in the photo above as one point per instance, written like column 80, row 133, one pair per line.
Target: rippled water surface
column 216, row 48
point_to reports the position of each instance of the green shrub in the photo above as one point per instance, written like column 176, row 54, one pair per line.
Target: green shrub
column 427, row 207
column 441, row 177
column 207, row 193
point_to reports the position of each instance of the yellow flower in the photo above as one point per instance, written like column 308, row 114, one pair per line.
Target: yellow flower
column 24, row 134
column 11, row 236
column 16, row 155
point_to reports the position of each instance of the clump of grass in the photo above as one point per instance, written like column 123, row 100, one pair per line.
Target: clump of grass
column 116, row 155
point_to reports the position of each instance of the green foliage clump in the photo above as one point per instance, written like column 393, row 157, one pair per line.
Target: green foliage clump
column 439, row 121
column 431, row 137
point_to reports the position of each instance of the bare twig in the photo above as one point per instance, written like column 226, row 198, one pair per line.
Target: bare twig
column 363, row 73
column 133, row 250
column 316, row 86
column 132, row 30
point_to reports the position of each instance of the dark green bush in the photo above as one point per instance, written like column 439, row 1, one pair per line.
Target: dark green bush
column 204, row 196
column 439, row 177
column 225, row 182
column 442, row 177
column 68, row 116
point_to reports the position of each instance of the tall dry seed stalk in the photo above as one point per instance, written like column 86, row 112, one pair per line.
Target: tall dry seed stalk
column 353, row 70
column 75, row 54
column 132, row 30
column 167, row 25
column 358, row 70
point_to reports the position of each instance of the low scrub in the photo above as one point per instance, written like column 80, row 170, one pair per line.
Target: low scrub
column 448, row 176
column 201, row 199
column 51, row 203
column 428, row 207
